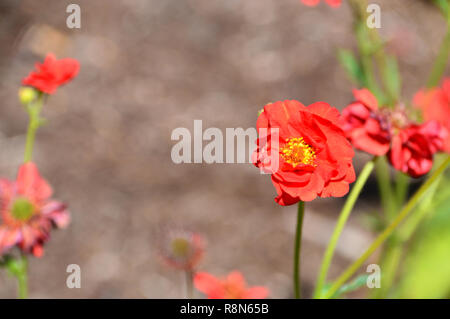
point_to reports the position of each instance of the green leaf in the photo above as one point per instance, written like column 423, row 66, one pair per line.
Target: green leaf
column 443, row 5
column 352, row 66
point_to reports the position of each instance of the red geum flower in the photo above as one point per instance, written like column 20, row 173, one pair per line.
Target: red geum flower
column 231, row 287
column 52, row 74
column 315, row 158
column 435, row 105
column 313, row 3
column 27, row 212
column 364, row 125
column 182, row 249
column 413, row 147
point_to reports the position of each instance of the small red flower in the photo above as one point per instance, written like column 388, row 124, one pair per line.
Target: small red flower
column 435, row 105
column 182, row 249
column 231, row 287
column 27, row 212
column 364, row 126
column 315, row 158
column 313, row 3
column 413, row 148
column 52, row 74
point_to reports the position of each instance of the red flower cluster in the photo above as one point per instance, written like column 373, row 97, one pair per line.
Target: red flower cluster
column 409, row 146
column 435, row 106
column 331, row 3
column 315, row 158
column 52, row 74
column 182, row 249
column 231, row 287
column 27, row 212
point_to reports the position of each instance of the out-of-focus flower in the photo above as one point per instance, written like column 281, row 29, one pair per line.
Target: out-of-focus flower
column 232, row 286
column 331, row 3
column 182, row 249
column 52, row 73
column 27, row 212
column 413, row 148
column 27, row 95
column 435, row 105
column 315, row 158
column 364, row 126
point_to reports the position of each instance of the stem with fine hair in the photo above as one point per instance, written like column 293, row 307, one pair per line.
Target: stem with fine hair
column 33, row 109
column 343, row 216
column 388, row 231
column 441, row 61
column 297, row 250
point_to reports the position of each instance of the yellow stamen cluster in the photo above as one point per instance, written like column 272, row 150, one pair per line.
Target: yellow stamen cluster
column 296, row 152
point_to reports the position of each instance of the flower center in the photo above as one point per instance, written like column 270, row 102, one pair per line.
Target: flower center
column 296, row 152
column 180, row 247
column 22, row 209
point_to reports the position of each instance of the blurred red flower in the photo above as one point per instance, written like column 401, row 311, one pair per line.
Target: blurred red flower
column 313, row 3
column 413, row 148
column 435, row 105
column 315, row 158
column 364, row 126
column 27, row 212
column 231, row 287
column 52, row 73
column 182, row 249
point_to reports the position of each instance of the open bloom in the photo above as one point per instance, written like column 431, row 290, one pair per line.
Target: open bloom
column 364, row 126
column 313, row 3
column 409, row 146
column 435, row 105
column 52, row 73
column 315, row 158
column 232, row 286
column 27, row 212
column 182, row 249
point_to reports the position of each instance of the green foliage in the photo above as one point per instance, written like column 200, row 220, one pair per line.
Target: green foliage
column 354, row 285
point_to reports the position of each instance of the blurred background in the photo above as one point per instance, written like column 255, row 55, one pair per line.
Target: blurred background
column 150, row 66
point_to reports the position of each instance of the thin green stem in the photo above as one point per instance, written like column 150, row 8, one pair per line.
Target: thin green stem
column 441, row 61
column 189, row 284
column 385, row 187
column 297, row 250
column 343, row 217
column 388, row 231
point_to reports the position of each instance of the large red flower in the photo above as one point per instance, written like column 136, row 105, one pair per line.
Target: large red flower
column 231, row 287
column 435, row 105
column 364, row 126
column 52, row 74
column 413, row 147
column 313, row 3
column 410, row 147
column 27, row 212
column 315, row 158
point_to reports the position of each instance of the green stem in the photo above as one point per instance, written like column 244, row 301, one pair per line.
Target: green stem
column 34, row 122
column 343, row 216
column 441, row 61
column 388, row 231
column 385, row 187
column 22, row 279
column 189, row 284
column 297, row 251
